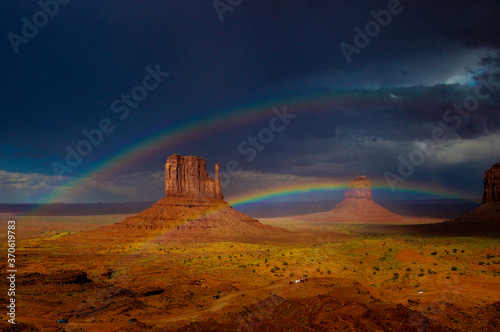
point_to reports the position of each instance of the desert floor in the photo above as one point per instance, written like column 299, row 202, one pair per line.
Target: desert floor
column 359, row 278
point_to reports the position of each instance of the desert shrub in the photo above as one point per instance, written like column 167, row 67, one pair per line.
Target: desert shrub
column 395, row 276
column 345, row 268
column 489, row 256
column 455, row 251
column 454, row 268
column 434, row 253
column 408, row 269
column 272, row 270
column 481, row 263
column 421, row 274
column 376, row 268
column 285, row 263
column 276, row 268
column 328, row 271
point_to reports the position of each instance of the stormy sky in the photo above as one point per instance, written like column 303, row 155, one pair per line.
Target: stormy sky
column 294, row 92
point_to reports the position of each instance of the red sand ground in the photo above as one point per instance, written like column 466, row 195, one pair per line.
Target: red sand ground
column 98, row 282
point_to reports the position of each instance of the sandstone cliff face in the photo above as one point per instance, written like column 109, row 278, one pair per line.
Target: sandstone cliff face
column 491, row 192
column 193, row 208
column 486, row 217
column 359, row 188
column 188, row 177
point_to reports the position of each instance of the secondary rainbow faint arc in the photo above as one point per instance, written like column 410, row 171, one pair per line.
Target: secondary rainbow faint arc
column 186, row 131
column 171, row 136
column 201, row 126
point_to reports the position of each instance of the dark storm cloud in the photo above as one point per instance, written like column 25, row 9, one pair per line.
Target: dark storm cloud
column 368, row 138
column 65, row 78
column 396, row 113
column 472, row 21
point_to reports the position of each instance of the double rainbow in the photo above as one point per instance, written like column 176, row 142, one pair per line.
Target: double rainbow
column 164, row 142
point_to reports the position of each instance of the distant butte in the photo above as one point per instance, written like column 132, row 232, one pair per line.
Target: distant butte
column 359, row 188
column 357, row 207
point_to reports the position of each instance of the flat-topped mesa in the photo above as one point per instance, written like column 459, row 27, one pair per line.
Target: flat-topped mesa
column 491, row 192
column 359, row 188
column 187, row 176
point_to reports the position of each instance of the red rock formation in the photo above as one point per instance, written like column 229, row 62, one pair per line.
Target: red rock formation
column 193, row 208
column 487, row 215
column 491, row 192
column 187, row 176
column 357, row 207
column 359, row 188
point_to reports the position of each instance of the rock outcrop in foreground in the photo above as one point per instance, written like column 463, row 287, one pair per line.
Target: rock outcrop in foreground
column 357, row 207
column 193, row 207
